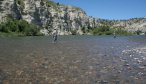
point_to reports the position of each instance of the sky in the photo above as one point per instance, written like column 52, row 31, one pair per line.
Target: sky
column 110, row 9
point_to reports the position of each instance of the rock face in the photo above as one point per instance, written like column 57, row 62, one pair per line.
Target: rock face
column 40, row 12
column 133, row 24
column 50, row 15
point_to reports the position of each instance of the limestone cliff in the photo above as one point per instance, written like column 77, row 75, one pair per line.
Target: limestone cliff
column 47, row 14
column 50, row 15
column 133, row 24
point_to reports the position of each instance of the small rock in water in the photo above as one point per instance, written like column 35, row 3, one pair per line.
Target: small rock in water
column 144, row 58
column 117, row 82
column 126, row 64
column 123, row 60
column 46, row 67
column 140, row 52
column 119, row 71
column 141, row 67
column 139, row 61
column 90, row 67
column 103, row 82
column 129, row 68
column 140, row 73
column 136, row 58
column 130, row 55
column 144, row 63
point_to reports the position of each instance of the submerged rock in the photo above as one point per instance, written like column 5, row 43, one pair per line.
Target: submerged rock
column 144, row 63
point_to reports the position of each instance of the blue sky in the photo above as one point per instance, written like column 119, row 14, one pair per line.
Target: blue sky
column 110, row 9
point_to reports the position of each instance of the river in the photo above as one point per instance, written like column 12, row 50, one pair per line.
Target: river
column 72, row 60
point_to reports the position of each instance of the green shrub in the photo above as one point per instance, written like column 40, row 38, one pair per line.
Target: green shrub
column 138, row 32
column 73, row 32
column 19, row 28
column 42, row 3
column 32, row 30
column 108, row 33
column 99, row 33
column 51, row 3
column 5, row 29
column 95, row 31
column 120, row 31
column 106, row 30
column 101, row 30
column 83, row 29
column 21, row 3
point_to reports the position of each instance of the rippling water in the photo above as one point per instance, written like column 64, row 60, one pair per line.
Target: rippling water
column 72, row 60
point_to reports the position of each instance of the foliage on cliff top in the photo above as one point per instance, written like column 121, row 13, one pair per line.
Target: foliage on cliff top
column 49, row 3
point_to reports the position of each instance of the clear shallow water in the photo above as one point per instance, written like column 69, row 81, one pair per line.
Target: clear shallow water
column 72, row 60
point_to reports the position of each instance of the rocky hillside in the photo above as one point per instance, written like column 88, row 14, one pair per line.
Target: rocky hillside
column 133, row 24
column 50, row 15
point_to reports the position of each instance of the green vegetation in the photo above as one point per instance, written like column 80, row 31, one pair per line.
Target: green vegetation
column 138, row 32
column 102, row 30
column 18, row 28
column 84, row 30
column 21, row 3
column 106, row 30
column 121, row 31
column 73, row 32
column 51, row 3
column 42, row 3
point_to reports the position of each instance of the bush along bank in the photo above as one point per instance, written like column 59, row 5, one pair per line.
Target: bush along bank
column 106, row 30
column 13, row 27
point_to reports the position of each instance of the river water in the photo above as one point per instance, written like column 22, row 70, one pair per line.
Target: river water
column 73, row 60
